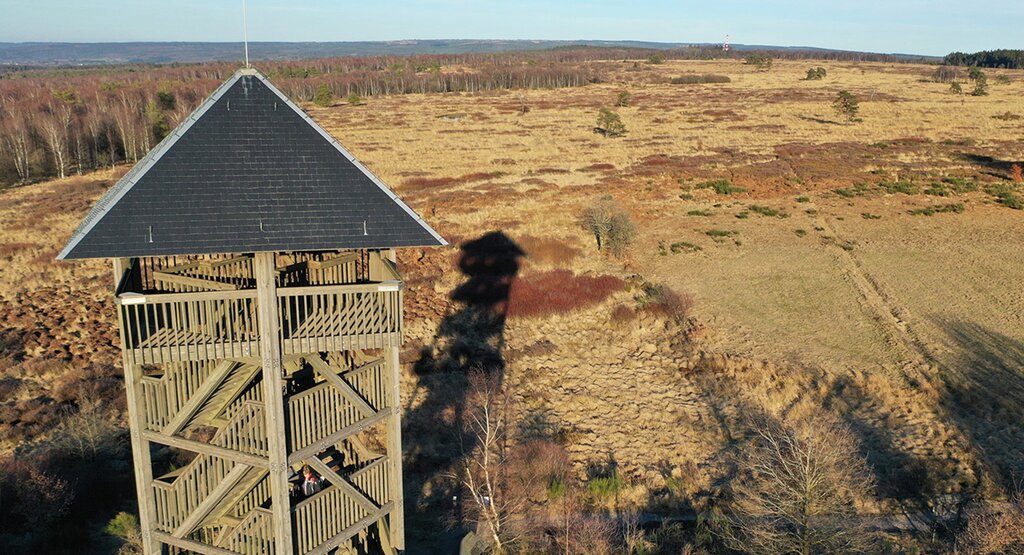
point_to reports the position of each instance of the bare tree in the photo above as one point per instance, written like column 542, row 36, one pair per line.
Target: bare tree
column 994, row 529
column 797, row 490
column 16, row 137
column 484, row 471
column 611, row 225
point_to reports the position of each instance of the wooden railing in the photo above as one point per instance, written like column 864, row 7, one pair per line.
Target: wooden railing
column 176, row 500
column 162, row 328
column 323, row 516
column 322, row 410
column 254, row 535
column 163, row 397
column 373, row 480
column 330, row 514
column 340, row 317
column 246, row 430
column 188, row 326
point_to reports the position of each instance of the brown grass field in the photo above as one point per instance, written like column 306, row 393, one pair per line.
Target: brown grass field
column 909, row 327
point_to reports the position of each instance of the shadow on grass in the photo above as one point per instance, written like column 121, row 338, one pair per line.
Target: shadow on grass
column 984, row 397
column 469, row 339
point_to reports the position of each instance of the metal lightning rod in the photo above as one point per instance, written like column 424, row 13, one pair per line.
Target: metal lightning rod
column 245, row 35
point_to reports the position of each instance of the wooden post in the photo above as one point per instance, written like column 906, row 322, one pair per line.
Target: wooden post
column 273, row 395
column 140, row 447
column 394, row 449
column 394, row 423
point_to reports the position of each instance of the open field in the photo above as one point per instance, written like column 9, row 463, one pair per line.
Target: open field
column 814, row 288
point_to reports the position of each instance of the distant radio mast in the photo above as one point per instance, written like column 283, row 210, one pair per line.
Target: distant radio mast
column 725, row 45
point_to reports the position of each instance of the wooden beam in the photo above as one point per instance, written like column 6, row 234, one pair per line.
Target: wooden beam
column 190, row 545
column 189, row 281
column 342, row 484
column 209, row 386
column 273, row 398
column 143, row 465
column 206, row 506
column 331, row 262
column 206, row 449
column 394, row 448
column 336, row 437
column 343, row 387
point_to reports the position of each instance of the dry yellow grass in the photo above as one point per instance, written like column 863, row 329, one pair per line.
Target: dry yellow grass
column 910, row 335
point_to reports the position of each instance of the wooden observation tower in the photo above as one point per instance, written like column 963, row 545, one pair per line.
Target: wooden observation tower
column 260, row 312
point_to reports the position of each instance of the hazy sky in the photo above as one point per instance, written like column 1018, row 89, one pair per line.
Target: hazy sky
column 910, row 26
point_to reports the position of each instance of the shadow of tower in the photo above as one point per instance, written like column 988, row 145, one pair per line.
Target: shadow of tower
column 470, row 338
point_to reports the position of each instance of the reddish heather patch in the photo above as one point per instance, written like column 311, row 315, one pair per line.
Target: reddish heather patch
column 598, row 168
column 418, row 183
column 557, row 292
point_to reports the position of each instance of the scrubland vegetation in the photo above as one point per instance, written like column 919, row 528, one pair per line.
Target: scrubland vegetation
column 676, row 330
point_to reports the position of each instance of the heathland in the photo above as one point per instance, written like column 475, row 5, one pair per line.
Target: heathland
column 786, row 261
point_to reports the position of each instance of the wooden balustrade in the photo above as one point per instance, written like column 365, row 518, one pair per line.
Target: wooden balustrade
column 323, row 516
column 164, row 396
column 254, row 535
column 373, row 480
column 246, row 430
column 188, row 326
column 176, row 500
column 341, row 317
column 161, row 328
column 322, row 410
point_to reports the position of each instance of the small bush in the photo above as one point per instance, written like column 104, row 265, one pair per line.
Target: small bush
column 610, row 124
column 937, row 190
column 803, row 199
column 354, row 99
column 126, row 526
column 800, row 232
column 956, row 88
column 661, row 300
column 611, row 225
column 323, row 96
column 656, row 59
column 846, row 105
column 816, row 73
column 699, row 213
column 763, row 62
column 624, row 99
column 858, row 190
column 721, row 186
column 870, row 216
column 604, row 489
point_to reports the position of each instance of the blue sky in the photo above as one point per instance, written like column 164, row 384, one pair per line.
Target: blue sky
column 910, row 26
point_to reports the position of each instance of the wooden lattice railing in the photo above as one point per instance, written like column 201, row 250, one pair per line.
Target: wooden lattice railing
column 332, row 515
column 176, row 327
column 321, row 411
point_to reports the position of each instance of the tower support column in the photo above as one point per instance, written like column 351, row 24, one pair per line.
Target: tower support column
column 273, row 396
column 141, row 460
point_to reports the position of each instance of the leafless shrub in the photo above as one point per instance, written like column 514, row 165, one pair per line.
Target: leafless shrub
column 611, row 225
column 797, row 490
column 484, row 472
column 89, row 433
column 992, row 529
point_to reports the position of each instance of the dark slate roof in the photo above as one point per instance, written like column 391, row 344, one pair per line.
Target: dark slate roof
column 248, row 171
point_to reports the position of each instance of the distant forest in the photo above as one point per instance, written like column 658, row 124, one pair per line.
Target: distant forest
column 1008, row 59
column 56, row 122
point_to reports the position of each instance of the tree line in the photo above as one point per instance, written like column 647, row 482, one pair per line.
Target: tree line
column 1003, row 58
column 55, row 123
